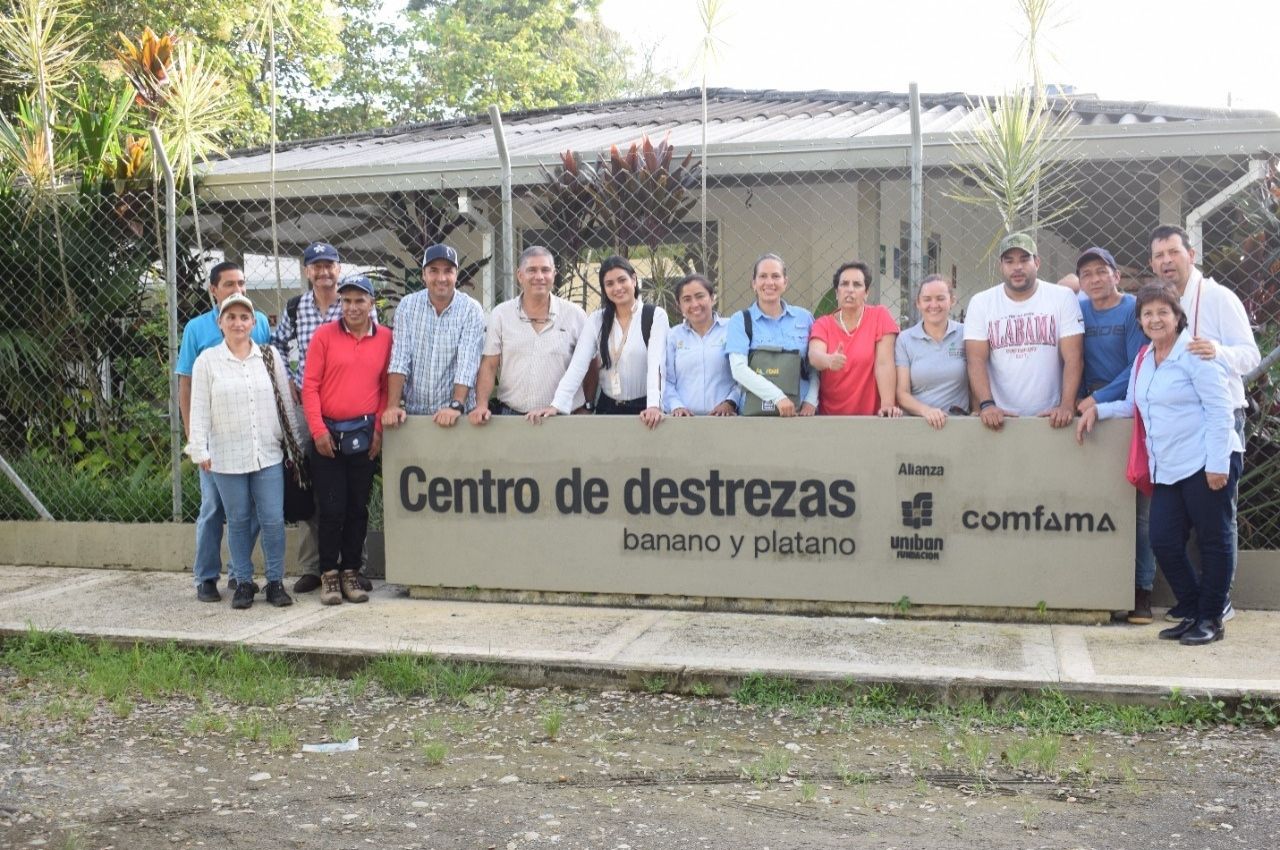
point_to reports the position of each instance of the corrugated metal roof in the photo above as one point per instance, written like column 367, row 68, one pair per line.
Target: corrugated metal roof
column 734, row 118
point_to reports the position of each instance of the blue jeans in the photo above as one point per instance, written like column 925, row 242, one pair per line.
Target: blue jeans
column 243, row 496
column 1144, row 560
column 1175, row 510
column 208, row 565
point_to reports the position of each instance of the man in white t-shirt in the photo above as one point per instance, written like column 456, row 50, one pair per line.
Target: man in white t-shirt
column 1024, row 342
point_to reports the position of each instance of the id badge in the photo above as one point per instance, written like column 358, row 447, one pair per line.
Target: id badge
column 615, row 386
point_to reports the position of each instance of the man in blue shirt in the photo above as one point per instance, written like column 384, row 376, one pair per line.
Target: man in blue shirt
column 1112, row 339
column 200, row 333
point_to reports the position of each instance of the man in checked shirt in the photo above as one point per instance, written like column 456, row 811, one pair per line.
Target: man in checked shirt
column 435, row 353
column 303, row 315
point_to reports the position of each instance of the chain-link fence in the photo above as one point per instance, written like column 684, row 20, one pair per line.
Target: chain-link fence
column 85, row 394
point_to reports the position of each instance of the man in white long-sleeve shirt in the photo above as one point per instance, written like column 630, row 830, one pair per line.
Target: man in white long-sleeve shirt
column 1219, row 325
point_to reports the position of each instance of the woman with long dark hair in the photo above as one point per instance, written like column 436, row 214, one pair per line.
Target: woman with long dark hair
column 630, row 338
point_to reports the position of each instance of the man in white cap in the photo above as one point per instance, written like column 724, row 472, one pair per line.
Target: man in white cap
column 1024, row 342
column 435, row 353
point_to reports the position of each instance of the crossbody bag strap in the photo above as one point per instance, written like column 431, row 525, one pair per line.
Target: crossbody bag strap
column 291, row 448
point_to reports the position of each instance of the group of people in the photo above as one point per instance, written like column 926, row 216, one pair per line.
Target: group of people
column 1027, row 348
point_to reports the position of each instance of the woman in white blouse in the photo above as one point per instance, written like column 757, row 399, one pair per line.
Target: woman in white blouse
column 236, row 434
column 630, row 364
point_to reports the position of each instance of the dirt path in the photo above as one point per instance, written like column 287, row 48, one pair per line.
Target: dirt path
column 523, row 769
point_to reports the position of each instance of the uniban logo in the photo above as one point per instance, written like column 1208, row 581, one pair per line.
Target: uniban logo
column 918, row 512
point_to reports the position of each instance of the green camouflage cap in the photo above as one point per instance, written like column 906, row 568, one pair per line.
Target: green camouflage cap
column 1018, row 240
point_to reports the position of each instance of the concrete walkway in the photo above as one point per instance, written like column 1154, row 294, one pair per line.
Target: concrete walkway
column 619, row 647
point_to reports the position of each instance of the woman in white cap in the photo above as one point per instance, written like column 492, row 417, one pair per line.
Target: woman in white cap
column 239, row 424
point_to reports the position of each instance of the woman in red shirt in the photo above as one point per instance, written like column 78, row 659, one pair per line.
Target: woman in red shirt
column 852, row 349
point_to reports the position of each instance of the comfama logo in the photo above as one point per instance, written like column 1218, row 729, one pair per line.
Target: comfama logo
column 1040, row 519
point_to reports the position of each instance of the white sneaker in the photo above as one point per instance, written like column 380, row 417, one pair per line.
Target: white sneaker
column 1229, row 612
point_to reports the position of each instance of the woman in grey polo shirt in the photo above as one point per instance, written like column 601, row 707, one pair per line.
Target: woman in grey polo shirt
column 932, row 381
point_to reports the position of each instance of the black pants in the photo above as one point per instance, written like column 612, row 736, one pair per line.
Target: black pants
column 341, row 484
column 612, row 407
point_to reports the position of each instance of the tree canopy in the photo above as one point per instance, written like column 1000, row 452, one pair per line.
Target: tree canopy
column 349, row 65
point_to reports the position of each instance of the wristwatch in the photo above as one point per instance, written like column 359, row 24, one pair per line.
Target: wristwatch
column 589, row 407
column 458, row 406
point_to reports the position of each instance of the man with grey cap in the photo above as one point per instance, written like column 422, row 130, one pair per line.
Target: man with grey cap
column 1024, row 342
column 1112, row 339
column 303, row 315
column 435, row 354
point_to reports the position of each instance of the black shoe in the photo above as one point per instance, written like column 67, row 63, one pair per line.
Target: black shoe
column 276, row 595
column 231, row 585
column 1178, row 613
column 208, row 591
column 366, row 584
column 1204, row 631
column 1176, row 632
column 244, row 596
column 306, row 583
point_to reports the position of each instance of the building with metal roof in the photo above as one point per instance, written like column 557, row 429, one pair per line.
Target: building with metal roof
column 818, row 176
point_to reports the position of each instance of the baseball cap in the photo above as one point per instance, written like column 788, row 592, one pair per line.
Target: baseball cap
column 440, row 252
column 356, row 281
column 1096, row 253
column 1020, row 241
column 234, row 298
column 318, row 251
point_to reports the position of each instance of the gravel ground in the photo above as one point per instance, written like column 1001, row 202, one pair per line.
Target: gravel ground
column 539, row 768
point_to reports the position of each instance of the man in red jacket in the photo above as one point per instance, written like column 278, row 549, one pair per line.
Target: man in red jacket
column 343, row 391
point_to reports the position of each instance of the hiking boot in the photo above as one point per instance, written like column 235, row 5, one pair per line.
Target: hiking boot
column 1141, row 613
column 351, row 590
column 276, row 595
column 208, row 591
column 331, row 588
column 244, row 596
column 306, row 583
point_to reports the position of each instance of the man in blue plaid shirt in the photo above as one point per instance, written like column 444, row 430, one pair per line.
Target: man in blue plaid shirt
column 435, row 353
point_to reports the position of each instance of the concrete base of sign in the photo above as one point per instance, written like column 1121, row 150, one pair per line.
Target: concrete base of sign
column 166, row 546
column 904, row 610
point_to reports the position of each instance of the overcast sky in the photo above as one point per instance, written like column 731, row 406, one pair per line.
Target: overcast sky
column 1195, row 54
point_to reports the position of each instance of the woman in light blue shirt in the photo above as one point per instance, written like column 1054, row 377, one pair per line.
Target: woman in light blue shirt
column 699, row 382
column 1194, row 456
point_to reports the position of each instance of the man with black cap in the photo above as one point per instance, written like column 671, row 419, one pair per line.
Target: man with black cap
column 435, row 354
column 1112, row 339
column 303, row 315
column 1024, row 342
column 343, row 394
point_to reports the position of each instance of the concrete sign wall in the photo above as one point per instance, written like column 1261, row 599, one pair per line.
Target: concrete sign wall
column 824, row 509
